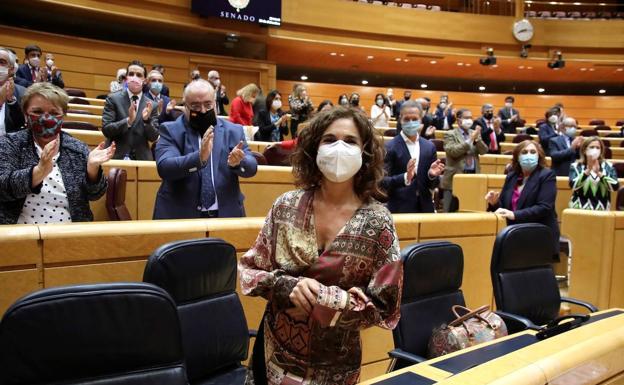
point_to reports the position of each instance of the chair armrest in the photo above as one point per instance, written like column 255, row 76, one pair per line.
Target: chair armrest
column 403, row 355
column 516, row 322
column 253, row 333
column 586, row 305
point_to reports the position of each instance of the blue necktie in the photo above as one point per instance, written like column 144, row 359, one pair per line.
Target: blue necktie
column 207, row 195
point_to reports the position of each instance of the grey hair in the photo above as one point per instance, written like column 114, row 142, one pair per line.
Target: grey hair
column 11, row 57
column 197, row 85
column 486, row 106
column 411, row 104
column 569, row 121
column 212, row 73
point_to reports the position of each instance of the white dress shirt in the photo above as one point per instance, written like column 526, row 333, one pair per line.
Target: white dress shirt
column 414, row 150
column 3, row 108
column 51, row 204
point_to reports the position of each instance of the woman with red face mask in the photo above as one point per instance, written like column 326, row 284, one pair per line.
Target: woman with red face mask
column 47, row 176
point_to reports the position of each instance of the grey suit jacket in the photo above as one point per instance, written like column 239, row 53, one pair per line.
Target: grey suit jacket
column 131, row 140
column 456, row 150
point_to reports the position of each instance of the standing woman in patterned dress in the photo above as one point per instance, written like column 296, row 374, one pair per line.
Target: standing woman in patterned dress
column 327, row 259
column 592, row 178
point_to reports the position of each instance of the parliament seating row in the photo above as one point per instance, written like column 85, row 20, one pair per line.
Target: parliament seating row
column 471, row 190
column 35, row 257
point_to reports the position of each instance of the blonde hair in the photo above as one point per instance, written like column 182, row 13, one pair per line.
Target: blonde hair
column 586, row 143
column 249, row 91
column 54, row 94
column 298, row 90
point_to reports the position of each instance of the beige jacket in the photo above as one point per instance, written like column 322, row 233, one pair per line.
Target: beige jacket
column 456, row 150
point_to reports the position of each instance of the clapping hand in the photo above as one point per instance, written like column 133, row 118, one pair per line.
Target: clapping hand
column 42, row 76
column 411, row 170
column 436, row 169
column 492, row 197
column 507, row 214
column 132, row 113
column 147, row 111
column 101, row 154
column 430, row 131
column 46, row 162
column 206, row 144
column 6, row 91
column 171, row 105
column 576, row 143
column 236, row 155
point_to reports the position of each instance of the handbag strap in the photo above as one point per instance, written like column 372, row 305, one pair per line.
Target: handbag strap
column 468, row 315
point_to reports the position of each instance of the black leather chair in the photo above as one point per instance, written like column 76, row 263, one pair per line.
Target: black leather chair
column 106, row 334
column 525, row 288
column 432, row 277
column 200, row 275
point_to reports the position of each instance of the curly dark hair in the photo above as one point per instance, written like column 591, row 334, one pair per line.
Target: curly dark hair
column 367, row 180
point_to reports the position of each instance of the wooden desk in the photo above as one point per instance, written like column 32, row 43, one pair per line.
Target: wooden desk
column 589, row 354
column 96, row 120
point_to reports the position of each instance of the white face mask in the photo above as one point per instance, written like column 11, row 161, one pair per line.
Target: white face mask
column 553, row 119
column 466, row 123
column 34, row 62
column 4, row 74
column 508, row 105
column 277, row 104
column 339, row 161
column 592, row 153
column 49, row 62
column 217, row 82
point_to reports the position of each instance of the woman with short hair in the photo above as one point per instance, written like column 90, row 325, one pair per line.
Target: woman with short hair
column 529, row 192
column 327, row 258
column 242, row 105
column 592, row 178
column 47, row 176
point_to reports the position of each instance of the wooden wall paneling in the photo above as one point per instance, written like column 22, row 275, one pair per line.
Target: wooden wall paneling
column 20, row 263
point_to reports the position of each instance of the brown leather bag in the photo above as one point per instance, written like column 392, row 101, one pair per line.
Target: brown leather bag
column 469, row 329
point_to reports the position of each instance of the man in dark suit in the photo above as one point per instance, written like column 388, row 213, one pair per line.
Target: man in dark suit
column 491, row 132
column 428, row 120
column 130, row 119
column 412, row 167
column 509, row 116
column 548, row 129
column 200, row 158
column 222, row 99
column 31, row 72
column 407, row 94
column 11, row 116
column 161, row 69
column 564, row 148
column 163, row 105
column 444, row 115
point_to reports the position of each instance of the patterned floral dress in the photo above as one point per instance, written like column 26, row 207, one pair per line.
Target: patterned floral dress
column 591, row 192
column 324, row 348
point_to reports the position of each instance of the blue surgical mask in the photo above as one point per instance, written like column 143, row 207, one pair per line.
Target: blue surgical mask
column 411, row 128
column 528, row 162
column 156, row 87
column 570, row 132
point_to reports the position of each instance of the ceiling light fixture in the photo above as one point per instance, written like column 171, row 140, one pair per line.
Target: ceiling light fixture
column 602, row 91
column 540, row 90
column 365, row 82
column 342, row 55
column 481, row 88
column 370, row 57
column 304, row 77
column 333, row 53
column 433, row 62
column 460, row 64
column 423, row 85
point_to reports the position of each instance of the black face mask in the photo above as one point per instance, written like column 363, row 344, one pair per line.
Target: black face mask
column 488, row 115
column 200, row 121
column 196, row 76
column 355, row 102
column 407, row 97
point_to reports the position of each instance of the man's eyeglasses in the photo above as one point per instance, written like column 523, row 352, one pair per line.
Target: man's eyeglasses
column 196, row 107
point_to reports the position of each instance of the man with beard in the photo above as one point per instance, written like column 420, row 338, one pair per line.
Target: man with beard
column 200, row 158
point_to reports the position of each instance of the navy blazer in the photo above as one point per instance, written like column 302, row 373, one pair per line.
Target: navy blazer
column 505, row 114
column 179, row 166
column 546, row 131
column 415, row 198
column 440, row 117
column 13, row 116
column 562, row 156
column 537, row 200
column 163, row 116
column 24, row 74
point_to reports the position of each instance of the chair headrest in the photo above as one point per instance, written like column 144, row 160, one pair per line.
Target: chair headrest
column 76, row 332
column 431, row 268
column 193, row 269
column 523, row 246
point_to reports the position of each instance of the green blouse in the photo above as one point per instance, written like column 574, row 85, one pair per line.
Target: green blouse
column 591, row 192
